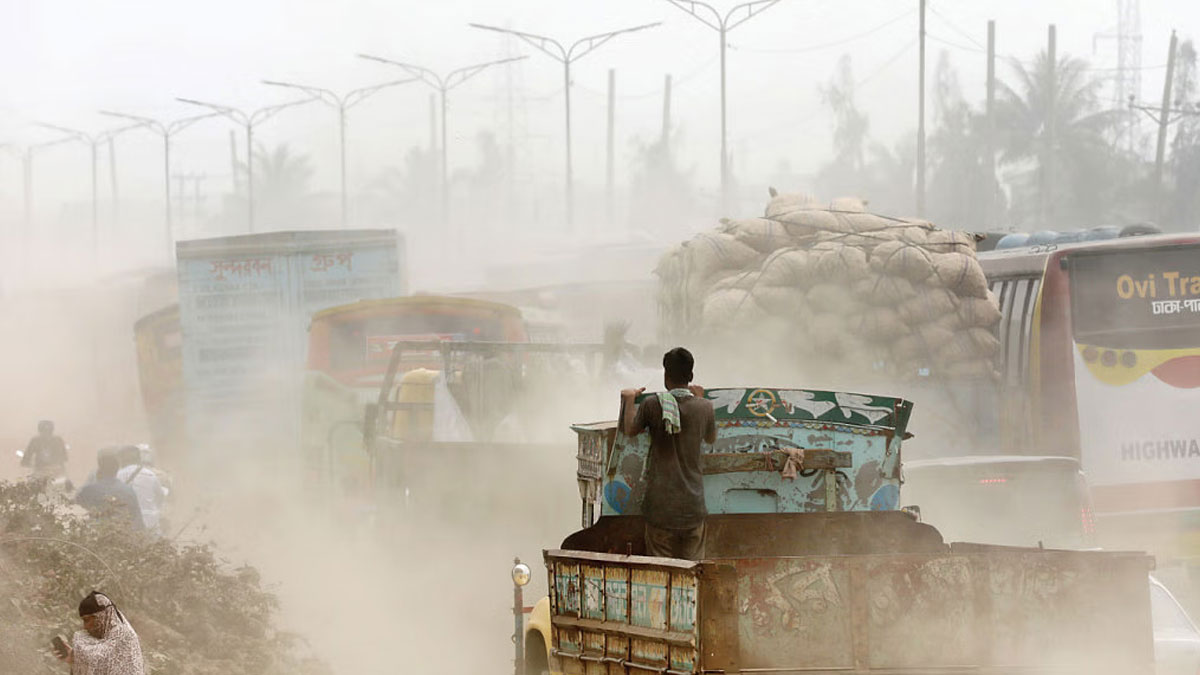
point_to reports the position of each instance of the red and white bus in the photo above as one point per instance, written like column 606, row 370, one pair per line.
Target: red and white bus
column 1100, row 360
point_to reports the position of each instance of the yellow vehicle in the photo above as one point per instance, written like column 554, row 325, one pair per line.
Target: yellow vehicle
column 349, row 347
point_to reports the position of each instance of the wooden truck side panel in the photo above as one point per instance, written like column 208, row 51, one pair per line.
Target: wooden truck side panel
column 1002, row 609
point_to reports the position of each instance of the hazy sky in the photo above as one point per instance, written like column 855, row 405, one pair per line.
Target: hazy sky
column 65, row 59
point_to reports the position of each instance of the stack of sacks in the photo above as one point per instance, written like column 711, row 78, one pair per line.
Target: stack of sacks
column 836, row 283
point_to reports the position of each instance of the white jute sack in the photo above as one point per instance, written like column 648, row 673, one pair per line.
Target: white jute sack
column 811, row 221
column 789, row 201
column 742, row 281
column 827, row 333
column 880, row 324
column 968, row 370
column 985, row 341
column 832, row 298
column 961, row 274
column 895, row 258
column 979, row 312
column 761, row 234
column 708, row 252
column 866, row 241
column 729, row 308
column 851, row 204
column 950, row 241
column 836, row 262
column 931, row 303
column 782, row 301
column 787, row 267
column 883, row 290
column 923, row 344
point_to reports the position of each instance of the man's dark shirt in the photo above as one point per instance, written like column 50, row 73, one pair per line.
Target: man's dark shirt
column 674, row 484
column 111, row 497
column 44, row 451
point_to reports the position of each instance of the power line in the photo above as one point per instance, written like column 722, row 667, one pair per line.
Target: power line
column 955, row 27
column 827, row 45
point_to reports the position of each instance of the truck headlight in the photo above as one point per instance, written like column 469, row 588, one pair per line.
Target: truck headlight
column 520, row 574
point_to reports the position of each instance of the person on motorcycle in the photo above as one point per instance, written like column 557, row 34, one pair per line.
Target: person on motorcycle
column 46, row 453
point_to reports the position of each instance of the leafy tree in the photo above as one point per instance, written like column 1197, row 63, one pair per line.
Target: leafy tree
column 281, row 186
column 1184, row 199
column 1053, row 133
column 844, row 174
column 661, row 191
column 961, row 180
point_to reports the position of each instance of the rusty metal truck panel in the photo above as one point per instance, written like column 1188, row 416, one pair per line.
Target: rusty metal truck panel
column 972, row 609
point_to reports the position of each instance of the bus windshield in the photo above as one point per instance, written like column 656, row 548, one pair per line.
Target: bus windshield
column 1136, row 299
column 356, row 344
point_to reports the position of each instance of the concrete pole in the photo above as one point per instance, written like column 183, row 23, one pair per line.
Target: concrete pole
column 921, row 117
column 608, row 171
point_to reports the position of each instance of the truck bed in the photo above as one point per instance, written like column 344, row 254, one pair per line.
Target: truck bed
column 960, row 608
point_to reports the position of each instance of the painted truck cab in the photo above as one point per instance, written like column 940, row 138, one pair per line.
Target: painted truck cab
column 777, row 451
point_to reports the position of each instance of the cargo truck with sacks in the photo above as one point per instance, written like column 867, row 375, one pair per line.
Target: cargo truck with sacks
column 811, row 565
column 833, row 289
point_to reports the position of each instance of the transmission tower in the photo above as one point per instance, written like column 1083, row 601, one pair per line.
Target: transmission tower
column 1127, row 76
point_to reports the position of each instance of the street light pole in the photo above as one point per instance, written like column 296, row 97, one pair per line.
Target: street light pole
column 248, row 122
column 443, row 85
column 94, row 141
column 166, row 130
column 723, row 24
column 566, row 56
column 341, row 104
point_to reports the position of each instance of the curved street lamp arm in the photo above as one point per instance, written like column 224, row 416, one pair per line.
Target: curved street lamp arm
column 752, row 9
column 263, row 114
column 237, row 116
column 420, row 72
column 457, row 77
column 327, row 97
column 181, row 124
column 356, row 96
column 75, row 134
column 690, row 6
column 153, row 124
column 590, row 43
column 539, row 42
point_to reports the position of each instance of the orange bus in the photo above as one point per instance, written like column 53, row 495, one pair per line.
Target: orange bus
column 348, row 351
column 1100, row 360
column 352, row 343
column 159, row 344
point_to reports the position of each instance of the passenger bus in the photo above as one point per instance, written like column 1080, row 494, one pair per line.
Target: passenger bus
column 349, row 347
column 159, row 343
column 1100, row 360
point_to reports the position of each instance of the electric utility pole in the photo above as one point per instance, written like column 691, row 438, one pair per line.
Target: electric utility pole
column 566, row 56
column 723, row 23
column 443, row 85
column 341, row 104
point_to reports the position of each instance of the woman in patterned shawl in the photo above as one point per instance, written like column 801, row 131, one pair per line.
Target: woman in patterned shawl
column 107, row 645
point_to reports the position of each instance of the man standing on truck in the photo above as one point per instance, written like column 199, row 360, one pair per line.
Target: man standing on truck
column 678, row 420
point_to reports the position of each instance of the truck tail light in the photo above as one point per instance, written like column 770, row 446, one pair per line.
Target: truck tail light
column 1087, row 520
column 992, row 481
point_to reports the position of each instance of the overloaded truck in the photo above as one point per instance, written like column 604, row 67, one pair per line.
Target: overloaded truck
column 813, row 565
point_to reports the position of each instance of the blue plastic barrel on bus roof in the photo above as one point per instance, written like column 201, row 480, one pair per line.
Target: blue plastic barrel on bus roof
column 1042, row 238
column 1014, row 240
column 1102, row 232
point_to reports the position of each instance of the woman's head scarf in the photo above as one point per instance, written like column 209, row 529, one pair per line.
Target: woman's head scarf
column 117, row 653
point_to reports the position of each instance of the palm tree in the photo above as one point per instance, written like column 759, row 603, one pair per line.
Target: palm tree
column 281, row 181
column 1050, row 123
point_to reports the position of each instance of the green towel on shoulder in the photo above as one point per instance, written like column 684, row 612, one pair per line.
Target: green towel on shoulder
column 670, row 408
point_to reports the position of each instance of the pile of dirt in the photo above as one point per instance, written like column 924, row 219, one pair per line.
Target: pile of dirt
column 194, row 613
column 835, row 284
